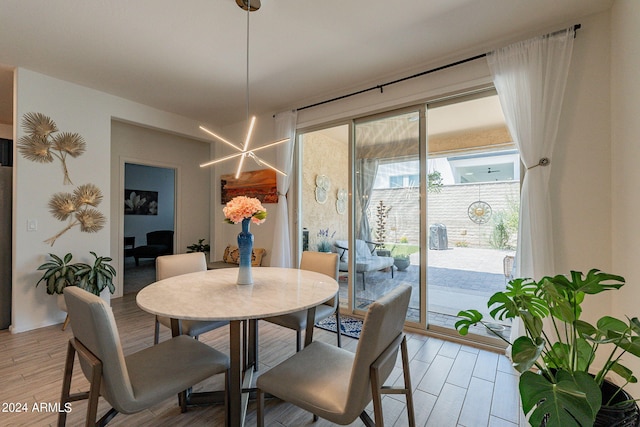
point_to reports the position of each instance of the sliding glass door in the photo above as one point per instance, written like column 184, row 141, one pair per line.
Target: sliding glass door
column 472, row 208
column 426, row 196
column 387, row 214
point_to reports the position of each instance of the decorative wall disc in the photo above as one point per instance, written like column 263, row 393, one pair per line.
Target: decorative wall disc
column 321, row 195
column 341, row 202
column 479, row 212
column 323, row 184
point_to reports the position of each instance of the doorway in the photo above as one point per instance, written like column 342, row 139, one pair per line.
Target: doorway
column 149, row 206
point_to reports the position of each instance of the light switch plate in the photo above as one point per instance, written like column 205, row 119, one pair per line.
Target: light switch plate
column 32, row 224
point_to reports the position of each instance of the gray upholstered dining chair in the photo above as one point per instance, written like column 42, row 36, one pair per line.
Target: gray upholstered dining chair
column 130, row 383
column 337, row 385
column 320, row 262
column 174, row 265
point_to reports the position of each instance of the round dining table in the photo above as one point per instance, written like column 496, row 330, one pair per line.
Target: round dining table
column 213, row 295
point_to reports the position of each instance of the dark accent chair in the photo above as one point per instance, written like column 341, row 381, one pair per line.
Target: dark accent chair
column 129, row 245
column 158, row 243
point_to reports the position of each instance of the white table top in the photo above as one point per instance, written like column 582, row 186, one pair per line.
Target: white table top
column 214, row 294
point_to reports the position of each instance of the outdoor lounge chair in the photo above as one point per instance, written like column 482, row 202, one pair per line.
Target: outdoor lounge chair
column 367, row 258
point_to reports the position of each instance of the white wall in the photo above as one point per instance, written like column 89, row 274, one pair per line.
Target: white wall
column 77, row 109
column 625, row 137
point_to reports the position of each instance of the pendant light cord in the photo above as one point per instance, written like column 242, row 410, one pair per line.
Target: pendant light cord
column 247, row 93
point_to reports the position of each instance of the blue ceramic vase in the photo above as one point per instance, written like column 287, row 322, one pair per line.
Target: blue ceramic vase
column 245, row 245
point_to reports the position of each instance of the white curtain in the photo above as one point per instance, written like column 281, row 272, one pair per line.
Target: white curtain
column 530, row 78
column 366, row 170
column 281, row 255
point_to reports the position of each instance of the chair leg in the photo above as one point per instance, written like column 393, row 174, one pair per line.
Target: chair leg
column 406, row 370
column 366, row 419
column 66, row 322
column 66, row 385
column 377, row 388
column 260, row 410
column 92, row 395
column 338, row 324
column 227, row 384
column 182, row 401
column 376, row 398
column 298, row 340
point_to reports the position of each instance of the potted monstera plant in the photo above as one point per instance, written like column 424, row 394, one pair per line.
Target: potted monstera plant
column 560, row 385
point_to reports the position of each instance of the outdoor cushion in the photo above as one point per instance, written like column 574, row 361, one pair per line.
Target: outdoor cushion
column 366, row 258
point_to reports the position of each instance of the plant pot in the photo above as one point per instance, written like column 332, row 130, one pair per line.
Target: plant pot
column 615, row 415
column 401, row 263
column 623, row 415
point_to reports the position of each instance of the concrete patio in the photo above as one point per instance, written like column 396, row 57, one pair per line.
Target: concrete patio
column 457, row 279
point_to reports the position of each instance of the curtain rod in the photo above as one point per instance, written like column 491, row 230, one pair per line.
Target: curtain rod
column 381, row 87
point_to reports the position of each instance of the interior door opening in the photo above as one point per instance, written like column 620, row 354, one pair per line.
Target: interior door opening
column 149, row 221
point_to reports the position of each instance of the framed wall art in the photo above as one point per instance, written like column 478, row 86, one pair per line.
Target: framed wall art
column 260, row 184
column 140, row 202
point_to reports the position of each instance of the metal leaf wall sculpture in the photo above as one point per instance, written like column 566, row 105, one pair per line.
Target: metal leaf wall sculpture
column 43, row 142
column 79, row 209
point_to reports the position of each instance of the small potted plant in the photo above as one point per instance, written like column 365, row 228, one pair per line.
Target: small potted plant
column 199, row 247
column 402, row 262
column 559, row 384
column 401, row 254
column 324, row 245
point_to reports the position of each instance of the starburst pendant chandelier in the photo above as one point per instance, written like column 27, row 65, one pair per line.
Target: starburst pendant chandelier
column 243, row 151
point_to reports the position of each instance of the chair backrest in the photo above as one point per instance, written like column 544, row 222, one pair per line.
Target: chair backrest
column 364, row 250
column 175, row 265
column 94, row 326
column 321, row 262
column 382, row 324
column 161, row 237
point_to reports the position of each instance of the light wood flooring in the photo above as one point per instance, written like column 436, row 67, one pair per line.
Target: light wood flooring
column 454, row 385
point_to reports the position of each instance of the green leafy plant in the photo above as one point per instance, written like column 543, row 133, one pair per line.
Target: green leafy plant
column 434, row 182
column 403, row 250
column 199, row 247
column 60, row 273
column 500, row 234
column 325, row 238
column 557, row 384
column 95, row 278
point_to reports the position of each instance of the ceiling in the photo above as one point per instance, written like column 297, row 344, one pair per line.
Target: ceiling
column 189, row 57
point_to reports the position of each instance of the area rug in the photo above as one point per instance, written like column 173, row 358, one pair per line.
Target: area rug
column 350, row 326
